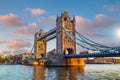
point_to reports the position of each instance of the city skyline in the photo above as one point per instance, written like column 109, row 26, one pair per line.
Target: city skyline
column 19, row 20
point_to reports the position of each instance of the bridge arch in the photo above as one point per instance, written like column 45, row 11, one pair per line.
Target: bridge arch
column 68, row 51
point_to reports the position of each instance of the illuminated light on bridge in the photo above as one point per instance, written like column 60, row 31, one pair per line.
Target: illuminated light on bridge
column 66, row 39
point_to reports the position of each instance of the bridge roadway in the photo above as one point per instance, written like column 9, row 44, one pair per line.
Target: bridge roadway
column 107, row 54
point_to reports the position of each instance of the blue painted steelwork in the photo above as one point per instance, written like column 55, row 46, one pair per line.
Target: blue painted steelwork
column 104, row 54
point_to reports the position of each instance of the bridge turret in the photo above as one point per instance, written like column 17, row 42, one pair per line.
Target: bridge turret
column 38, row 34
column 41, row 31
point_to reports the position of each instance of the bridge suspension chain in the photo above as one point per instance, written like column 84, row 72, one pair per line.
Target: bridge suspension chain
column 94, row 46
column 78, row 40
column 97, row 44
column 92, row 42
column 32, row 49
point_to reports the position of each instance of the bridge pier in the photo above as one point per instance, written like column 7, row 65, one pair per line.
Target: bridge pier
column 60, row 60
column 75, row 61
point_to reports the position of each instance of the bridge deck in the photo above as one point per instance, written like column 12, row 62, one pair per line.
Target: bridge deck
column 92, row 55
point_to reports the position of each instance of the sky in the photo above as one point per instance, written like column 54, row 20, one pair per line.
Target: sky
column 98, row 20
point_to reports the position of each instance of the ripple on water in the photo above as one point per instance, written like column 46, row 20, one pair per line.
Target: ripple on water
column 90, row 72
column 103, row 71
column 15, row 72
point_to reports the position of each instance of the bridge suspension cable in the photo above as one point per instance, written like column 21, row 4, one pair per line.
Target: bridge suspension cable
column 96, row 44
column 32, row 49
column 78, row 42
column 92, row 45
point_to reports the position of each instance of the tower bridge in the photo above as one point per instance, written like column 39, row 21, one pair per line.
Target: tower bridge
column 66, row 40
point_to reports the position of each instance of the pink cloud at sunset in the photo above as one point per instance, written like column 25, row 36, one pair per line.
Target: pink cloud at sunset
column 48, row 21
column 18, row 44
column 11, row 20
column 28, row 30
column 36, row 11
column 100, row 21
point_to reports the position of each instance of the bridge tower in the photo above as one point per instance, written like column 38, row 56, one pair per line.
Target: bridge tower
column 64, row 43
column 40, row 46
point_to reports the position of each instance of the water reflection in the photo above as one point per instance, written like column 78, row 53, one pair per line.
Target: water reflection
column 39, row 73
column 58, row 73
column 92, row 72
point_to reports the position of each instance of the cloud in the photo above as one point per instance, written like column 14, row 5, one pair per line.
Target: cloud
column 20, row 51
column 18, row 44
column 3, row 42
column 7, row 52
column 28, row 30
column 108, row 43
column 100, row 21
column 91, row 34
column 103, row 21
column 83, row 23
column 14, row 52
column 47, row 21
column 11, row 20
column 35, row 12
column 113, row 7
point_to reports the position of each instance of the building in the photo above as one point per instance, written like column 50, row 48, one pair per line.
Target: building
column 104, row 60
column 26, row 56
column 2, row 56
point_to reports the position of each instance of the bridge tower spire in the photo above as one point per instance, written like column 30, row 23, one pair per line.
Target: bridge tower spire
column 64, row 43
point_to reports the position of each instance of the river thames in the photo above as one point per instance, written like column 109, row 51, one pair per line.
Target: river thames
column 89, row 72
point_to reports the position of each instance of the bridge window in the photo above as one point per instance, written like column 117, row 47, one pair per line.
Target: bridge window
column 39, row 34
column 65, row 18
column 38, row 46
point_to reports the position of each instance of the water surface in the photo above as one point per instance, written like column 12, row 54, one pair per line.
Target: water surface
column 89, row 72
